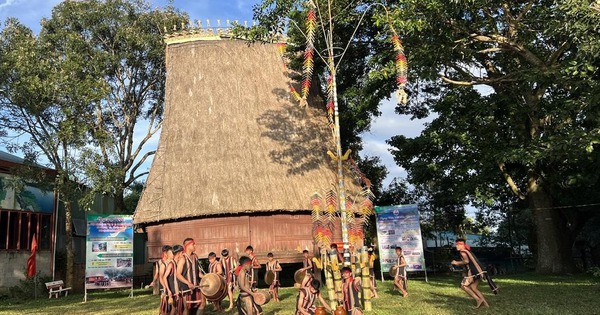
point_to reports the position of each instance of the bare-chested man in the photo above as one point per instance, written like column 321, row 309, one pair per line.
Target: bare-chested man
column 474, row 273
column 245, row 302
column 400, row 277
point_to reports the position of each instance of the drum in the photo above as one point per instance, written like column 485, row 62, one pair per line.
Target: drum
column 213, row 287
column 299, row 276
column 269, row 277
column 392, row 272
column 262, row 297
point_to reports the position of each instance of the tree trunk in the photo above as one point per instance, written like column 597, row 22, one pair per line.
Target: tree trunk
column 553, row 246
column 69, row 242
column 119, row 201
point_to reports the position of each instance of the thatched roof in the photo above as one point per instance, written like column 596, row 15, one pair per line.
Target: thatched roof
column 233, row 139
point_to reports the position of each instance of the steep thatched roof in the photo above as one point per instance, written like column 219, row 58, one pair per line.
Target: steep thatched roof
column 233, row 139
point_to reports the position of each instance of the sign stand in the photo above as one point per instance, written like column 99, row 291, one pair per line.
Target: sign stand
column 109, row 253
column 400, row 226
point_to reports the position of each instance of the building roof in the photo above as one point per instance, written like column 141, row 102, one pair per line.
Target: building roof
column 233, row 140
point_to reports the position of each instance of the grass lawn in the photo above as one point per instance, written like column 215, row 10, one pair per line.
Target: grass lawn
column 519, row 294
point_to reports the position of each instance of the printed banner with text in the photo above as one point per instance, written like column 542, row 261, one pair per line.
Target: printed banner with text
column 399, row 226
column 109, row 252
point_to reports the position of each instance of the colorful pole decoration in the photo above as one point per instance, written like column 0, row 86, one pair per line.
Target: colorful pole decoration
column 353, row 210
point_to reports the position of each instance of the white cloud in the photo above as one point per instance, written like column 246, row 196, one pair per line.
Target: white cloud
column 384, row 127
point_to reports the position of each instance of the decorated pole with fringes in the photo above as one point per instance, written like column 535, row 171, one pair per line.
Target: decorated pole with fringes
column 309, row 53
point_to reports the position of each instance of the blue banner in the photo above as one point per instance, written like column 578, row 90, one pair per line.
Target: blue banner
column 400, row 226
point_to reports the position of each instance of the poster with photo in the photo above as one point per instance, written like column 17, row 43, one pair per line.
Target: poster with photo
column 400, row 226
column 109, row 252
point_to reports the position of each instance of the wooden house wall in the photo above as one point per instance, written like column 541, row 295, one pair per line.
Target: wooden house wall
column 285, row 235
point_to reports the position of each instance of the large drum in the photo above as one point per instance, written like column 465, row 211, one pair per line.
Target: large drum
column 262, row 297
column 269, row 277
column 299, row 276
column 213, row 287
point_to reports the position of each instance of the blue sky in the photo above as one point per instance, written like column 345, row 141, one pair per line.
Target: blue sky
column 384, row 127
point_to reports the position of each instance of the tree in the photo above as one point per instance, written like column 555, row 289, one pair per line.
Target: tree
column 534, row 131
column 47, row 97
column 119, row 41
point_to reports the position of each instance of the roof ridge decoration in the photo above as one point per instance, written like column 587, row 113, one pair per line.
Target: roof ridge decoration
column 194, row 31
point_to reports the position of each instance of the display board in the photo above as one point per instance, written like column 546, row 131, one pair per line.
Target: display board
column 109, row 252
column 400, row 226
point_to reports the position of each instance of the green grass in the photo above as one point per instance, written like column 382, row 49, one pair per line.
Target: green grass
column 519, row 294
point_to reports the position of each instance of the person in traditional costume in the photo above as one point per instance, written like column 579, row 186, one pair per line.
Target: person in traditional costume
column 245, row 301
column 188, row 276
column 307, row 296
column 400, row 278
column 371, row 256
column 166, row 257
column 214, row 266
column 255, row 267
column 340, row 256
column 307, row 266
column 170, row 283
column 274, row 266
column 473, row 275
column 350, row 291
column 155, row 284
column 229, row 263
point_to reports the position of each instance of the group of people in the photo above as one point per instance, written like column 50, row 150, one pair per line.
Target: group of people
column 179, row 272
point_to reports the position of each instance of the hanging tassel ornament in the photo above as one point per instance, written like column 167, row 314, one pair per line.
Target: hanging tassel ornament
column 309, row 51
column 401, row 68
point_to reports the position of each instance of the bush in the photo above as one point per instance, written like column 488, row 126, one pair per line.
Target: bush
column 27, row 288
column 594, row 271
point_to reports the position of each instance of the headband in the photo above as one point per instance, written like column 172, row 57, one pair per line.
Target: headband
column 188, row 244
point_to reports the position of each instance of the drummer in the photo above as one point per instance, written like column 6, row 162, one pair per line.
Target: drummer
column 188, row 279
column 245, row 301
column 400, row 276
column 214, row 266
column 228, row 263
column 255, row 267
column 307, row 266
column 273, row 266
column 305, row 303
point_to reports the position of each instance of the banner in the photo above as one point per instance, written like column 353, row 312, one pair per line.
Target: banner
column 399, row 226
column 109, row 252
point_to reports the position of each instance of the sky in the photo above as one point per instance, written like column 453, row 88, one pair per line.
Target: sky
column 388, row 124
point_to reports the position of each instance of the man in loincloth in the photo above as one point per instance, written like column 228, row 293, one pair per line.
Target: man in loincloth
column 473, row 275
column 214, row 266
column 155, row 284
column 170, row 283
column 255, row 267
column 307, row 296
column 371, row 256
column 229, row 263
column 274, row 266
column 192, row 301
column 400, row 278
column 245, row 301
column 307, row 266
column 350, row 291
column 166, row 257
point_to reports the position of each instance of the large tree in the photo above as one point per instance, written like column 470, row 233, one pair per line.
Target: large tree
column 119, row 41
column 534, row 128
column 47, row 98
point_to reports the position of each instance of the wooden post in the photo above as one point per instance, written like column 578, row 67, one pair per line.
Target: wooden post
column 366, row 279
column 337, row 276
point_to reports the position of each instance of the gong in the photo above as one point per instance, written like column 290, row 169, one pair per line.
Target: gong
column 299, row 276
column 269, row 277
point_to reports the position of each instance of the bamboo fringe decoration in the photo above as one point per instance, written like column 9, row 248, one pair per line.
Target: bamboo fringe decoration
column 366, row 280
